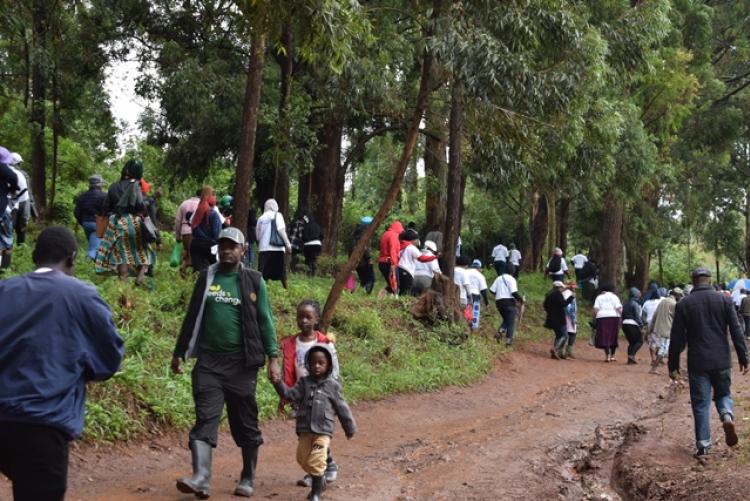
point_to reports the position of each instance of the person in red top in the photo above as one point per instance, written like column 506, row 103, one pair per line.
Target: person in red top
column 390, row 248
column 293, row 352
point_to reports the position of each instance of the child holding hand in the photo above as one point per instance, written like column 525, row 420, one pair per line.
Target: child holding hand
column 318, row 399
column 294, row 349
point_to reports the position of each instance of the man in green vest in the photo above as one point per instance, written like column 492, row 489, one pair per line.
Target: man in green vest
column 229, row 329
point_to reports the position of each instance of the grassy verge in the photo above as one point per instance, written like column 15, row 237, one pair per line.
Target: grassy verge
column 382, row 349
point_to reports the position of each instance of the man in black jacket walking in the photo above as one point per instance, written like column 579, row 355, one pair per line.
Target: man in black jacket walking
column 90, row 204
column 229, row 327
column 701, row 322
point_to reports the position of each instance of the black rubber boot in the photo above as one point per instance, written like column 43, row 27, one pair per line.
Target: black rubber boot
column 249, row 461
column 318, row 485
column 199, row 483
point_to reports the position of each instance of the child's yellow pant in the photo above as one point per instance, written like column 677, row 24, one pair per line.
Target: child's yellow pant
column 312, row 452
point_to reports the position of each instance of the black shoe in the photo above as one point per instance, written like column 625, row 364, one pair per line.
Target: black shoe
column 249, row 461
column 631, row 361
column 318, row 486
column 305, row 481
column 199, row 483
column 553, row 354
column 730, row 435
column 702, row 453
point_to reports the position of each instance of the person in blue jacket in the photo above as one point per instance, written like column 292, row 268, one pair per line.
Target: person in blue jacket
column 57, row 334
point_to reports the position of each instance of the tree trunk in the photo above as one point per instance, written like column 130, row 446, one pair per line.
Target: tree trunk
column 246, row 158
column 563, row 219
column 410, row 142
column 455, row 177
column 327, row 183
column 435, row 170
column 538, row 232
column 56, row 125
column 285, row 60
column 38, row 97
column 304, row 182
column 610, row 242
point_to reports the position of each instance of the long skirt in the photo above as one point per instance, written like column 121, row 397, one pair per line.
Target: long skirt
column 606, row 332
column 271, row 265
column 122, row 244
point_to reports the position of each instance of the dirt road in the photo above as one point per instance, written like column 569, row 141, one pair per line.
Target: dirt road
column 536, row 428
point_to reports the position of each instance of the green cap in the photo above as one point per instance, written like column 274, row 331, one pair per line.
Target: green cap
column 233, row 234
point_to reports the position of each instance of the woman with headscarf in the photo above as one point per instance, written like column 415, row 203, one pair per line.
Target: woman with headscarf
column 206, row 226
column 122, row 247
column 556, row 268
column 271, row 255
column 607, row 311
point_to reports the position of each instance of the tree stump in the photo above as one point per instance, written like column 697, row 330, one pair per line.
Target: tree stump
column 441, row 302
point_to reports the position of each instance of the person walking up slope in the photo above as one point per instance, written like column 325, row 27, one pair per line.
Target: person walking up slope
column 661, row 326
column 632, row 323
column 701, row 322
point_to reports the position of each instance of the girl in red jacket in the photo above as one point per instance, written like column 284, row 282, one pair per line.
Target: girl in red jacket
column 294, row 349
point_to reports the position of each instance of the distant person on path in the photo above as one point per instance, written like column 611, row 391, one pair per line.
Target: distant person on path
column 555, row 304
column 122, row 246
column 22, row 201
column 647, row 312
column 515, row 260
column 435, row 235
column 321, row 395
column 8, row 187
column 365, row 272
column 425, row 271
column 57, row 335
column 205, row 225
column 745, row 312
column 701, row 322
column 556, row 268
column 271, row 255
column 312, row 242
column 571, row 319
column 294, row 350
column 408, row 259
column 90, row 204
column 461, row 278
column 507, row 300
column 390, row 248
column 632, row 324
column 607, row 311
column 589, row 279
column 660, row 326
column 578, row 261
column 182, row 229
column 229, row 328
column 478, row 291
column 500, row 256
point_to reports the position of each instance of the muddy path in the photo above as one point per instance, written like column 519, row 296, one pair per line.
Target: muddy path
column 535, row 428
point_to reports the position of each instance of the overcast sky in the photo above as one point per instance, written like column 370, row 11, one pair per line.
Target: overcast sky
column 125, row 104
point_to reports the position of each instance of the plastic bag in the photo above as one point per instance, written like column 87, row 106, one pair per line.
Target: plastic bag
column 351, row 283
column 176, row 257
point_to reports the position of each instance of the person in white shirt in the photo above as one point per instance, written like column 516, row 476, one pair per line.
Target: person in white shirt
column 478, row 291
column 647, row 315
column 515, row 260
column 271, row 262
column 607, row 311
column 499, row 258
column 424, row 272
column 556, row 268
column 578, row 261
column 507, row 298
column 461, row 278
column 407, row 261
column 21, row 209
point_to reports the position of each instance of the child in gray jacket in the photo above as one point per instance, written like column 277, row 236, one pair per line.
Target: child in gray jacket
column 318, row 399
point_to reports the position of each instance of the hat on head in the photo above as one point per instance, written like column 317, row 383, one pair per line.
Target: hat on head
column 430, row 246
column 365, row 219
column 677, row 292
column 96, row 180
column 233, row 234
column 226, row 201
column 558, row 284
column 5, row 156
column 409, row 235
column 558, row 251
column 476, row 263
column 701, row 272
column 17, row 159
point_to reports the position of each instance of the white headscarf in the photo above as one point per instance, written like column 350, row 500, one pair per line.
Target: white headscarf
column 271, row 205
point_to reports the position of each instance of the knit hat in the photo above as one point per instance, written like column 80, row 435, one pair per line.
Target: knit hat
column 96, row 181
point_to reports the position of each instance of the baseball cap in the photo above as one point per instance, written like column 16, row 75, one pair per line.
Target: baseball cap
column 233, row 234
column 701, row 272
column 476, row 263
column 430, row 246
column 17, row 159
column 558, row 283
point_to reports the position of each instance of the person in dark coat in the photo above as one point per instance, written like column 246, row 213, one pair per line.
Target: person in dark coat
column 632, row 324
column 701, row 322
column 555, row 304
column 318, row 398
column 90, row 204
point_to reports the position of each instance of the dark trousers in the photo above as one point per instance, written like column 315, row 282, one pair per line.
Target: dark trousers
column 634, row 337
column 507, row 310
column 366, row 276
column 200, row 253
column 499, row 267
column 218, row 379
column 561, row 337
column 746, row 318
column 405, row 281
column 385, row 269
column 20, row 220
column 311, row 256
column 35, row 459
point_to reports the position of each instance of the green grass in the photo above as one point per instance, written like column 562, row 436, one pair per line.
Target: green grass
column 382, row 349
